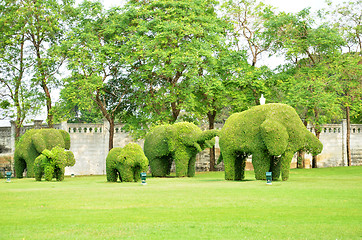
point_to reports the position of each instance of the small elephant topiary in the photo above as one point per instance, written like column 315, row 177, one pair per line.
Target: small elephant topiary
column 179, row 142
column 33, row 143
column 272, row 133
column 126, row 163
column 52, row 163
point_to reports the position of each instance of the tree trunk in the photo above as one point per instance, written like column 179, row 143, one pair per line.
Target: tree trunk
column 349, row 155
column 44, row 85
column 314, row 159
column 175, row 111
column 49, row 105
column 111, row 133
column 301, row 153
column 211, row 116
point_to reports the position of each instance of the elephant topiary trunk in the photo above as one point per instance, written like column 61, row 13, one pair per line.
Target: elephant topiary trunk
column 33, row 143
column 271, row 133
column 179, row 142
column 126, row 163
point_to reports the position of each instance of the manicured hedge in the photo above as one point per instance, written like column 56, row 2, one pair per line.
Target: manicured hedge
column 126, row 163
column 52, row 163
column 33, row 143
column 272, row 133
column 179, row 142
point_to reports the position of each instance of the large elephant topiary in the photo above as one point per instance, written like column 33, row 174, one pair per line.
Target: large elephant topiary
column 272, row 133
column 52, row 163
column 126, row 163
column 33, row 143
column 180, row 142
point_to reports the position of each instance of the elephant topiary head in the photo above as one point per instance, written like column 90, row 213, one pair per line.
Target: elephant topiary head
column 179, row 142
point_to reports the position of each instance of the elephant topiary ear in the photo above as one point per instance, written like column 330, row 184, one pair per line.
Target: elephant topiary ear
column 70, row 159
column 66, row 138
column 275, row 137
column 38, row 142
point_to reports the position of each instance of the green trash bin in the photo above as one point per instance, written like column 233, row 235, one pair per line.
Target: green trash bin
column 269, row 178
column 143, row 178
column 8, row 176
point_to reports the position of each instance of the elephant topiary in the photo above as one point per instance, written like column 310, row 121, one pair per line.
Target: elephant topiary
column 33, row 143
column 180, row 142
column 127, row 163
column 52, row 163
column 272, row 133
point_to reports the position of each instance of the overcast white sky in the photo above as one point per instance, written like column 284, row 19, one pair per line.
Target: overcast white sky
column 282, row 5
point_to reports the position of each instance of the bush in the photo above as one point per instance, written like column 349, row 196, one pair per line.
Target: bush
column 272, row 133
column 33, row 143
column 126, row 163
column 52, row 163
column 179, row 142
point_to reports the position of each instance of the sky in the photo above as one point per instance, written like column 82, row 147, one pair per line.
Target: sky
column 282, row 5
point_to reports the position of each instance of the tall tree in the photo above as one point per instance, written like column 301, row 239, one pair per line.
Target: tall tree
column 346, row 71
column 310, row 49
column 170, row 42
column 94, row 52
column 45, row 23
column 17, row 100
column 347, row 19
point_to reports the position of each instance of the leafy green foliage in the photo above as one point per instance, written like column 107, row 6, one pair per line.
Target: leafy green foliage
column 52, row 163
column 33, row 143
column 179, row 142
column 127, row 163
column 171, row 44
column 272, row 133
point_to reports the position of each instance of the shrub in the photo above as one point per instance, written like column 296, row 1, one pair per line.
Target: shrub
column 126, row 163
column 179, row 142
column 272, row 133
column 52, row 163
column 33, row 143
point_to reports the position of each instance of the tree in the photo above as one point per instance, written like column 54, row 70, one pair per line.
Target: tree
column 170, row 43
column 45, row 21
column 347, row 75
column 248, row 18
column 347, row 19
column 250, row 34
column 93, row 48
column 16, row 95
column 310, row 49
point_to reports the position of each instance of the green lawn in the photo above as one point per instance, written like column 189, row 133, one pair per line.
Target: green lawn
column 313, row 204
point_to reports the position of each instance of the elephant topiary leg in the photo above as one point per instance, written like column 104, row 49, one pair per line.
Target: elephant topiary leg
column 48, row 172
column 126, row 173
column 191, row 167
column 38, row 167
column 160, row 166
column 136, row 173
column 286, row 159
column 19, row 165
column 261, row 162
column 59, row 173
column 234, row 165
column 275, row 166
column 112, row 175
column 181, row 162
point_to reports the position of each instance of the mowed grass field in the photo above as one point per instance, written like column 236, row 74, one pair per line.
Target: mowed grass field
column 313, row 204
